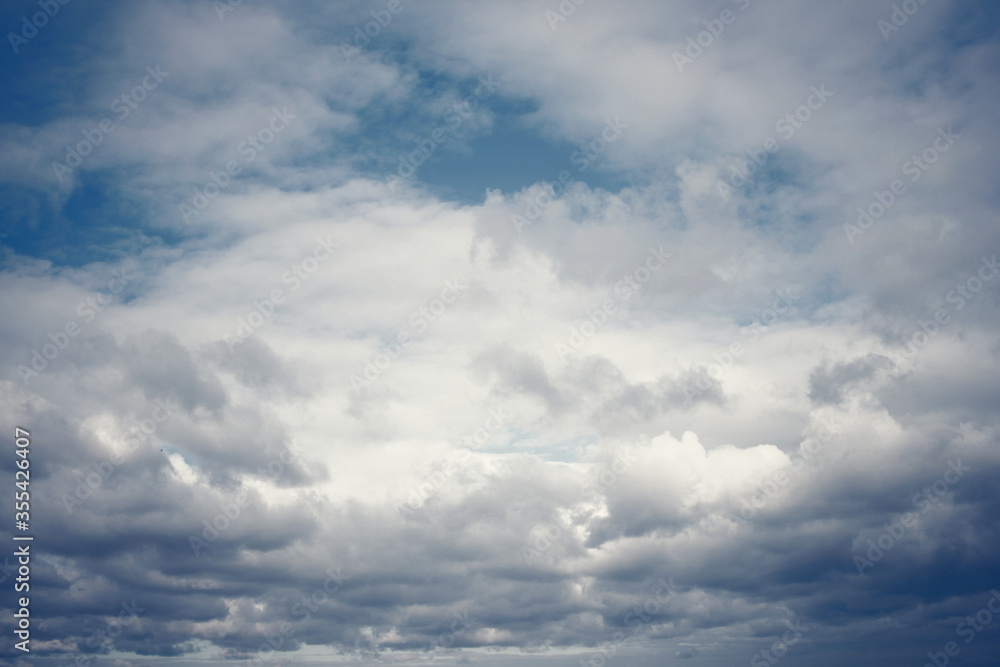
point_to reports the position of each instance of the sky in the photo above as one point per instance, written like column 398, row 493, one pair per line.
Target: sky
column 517, row 332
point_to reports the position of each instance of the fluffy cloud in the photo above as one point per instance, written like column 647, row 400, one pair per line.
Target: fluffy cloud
column 348, row 418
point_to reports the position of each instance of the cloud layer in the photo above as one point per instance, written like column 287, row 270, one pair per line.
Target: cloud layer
column 715, row 378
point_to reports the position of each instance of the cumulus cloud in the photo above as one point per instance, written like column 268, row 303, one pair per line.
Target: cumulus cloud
column 729, row 368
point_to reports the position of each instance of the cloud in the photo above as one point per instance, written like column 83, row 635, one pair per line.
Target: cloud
column 228, row 421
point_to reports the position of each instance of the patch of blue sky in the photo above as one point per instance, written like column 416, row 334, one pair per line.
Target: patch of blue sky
column 97, row 223
column 42, row 75
column 486, row 141
column 509, row 159
column 569, row 450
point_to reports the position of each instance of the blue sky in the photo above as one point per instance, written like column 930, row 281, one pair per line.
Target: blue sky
column 98, row 221
column 526, row 333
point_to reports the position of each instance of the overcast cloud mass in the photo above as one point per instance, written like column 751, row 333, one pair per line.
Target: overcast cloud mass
column 513, row 332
